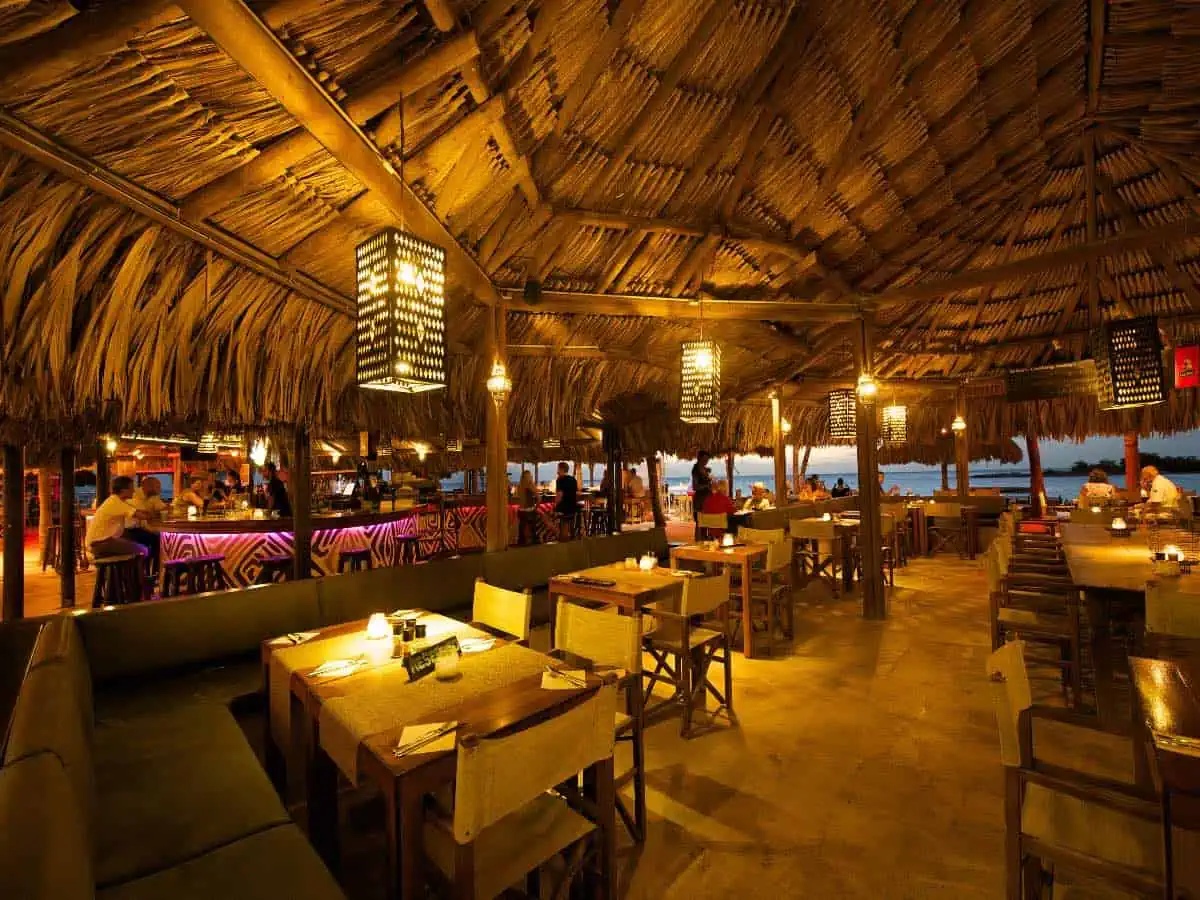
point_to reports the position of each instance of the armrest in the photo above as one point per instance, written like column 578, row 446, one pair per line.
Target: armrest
column 1071, row 717
column 1116, row 795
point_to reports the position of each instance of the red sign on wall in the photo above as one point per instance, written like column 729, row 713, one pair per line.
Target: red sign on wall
column 1187, row 366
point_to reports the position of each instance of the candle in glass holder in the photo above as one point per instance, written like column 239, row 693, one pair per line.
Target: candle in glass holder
column 1118, row 524
column 379, row 639
column 631, row 562
column 445, row 664
column 827, row 517
column 1095, row 509
column 727, row 540
column 1173, row 552
column 191, row 511
column 647, row 563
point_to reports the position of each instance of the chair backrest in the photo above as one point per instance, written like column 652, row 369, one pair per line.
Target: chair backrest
column 1170, row 610
column 813, row 528
column 702, row 595
column 761, row 535
column 599, row 635
column 887, row 524
column 779, row 555
column 500, row 774
column 713, row 520
column 1010, row 695
column 944, row 510
column 506, row 611
column 993, row 566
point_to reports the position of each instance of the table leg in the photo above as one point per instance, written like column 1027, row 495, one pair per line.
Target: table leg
column 847, row 564
column 747, row 611
column 391, row 802
column 599, row 787
column 322, row 803
column 408, row 831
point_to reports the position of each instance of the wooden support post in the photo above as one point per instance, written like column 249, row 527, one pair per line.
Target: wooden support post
column 45, row 505
column 66, row 521
column 870, row 528
column 962, row 455
column 804, row 462
column 1037, row 481
column 301, row 479
column 945, row 475
column 660, row 520
column 1133, row 466
column 612, row 446
column 797, row 478
column 14, row 534
column 497, row 442
column 729, row 461
column 779, row 454
column 103, row 473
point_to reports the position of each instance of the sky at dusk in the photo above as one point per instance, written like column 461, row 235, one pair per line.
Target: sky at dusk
column 1055, row 455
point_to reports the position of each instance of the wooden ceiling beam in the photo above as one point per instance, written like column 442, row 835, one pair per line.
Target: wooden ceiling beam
column 658, row 307
column 364, row 104
column 1186, row 229
column 697, row 258
column 1129, row 222
column 623, row 256
column 441, row 14
column 77, row 41
column 252, row 45
column 717, row 11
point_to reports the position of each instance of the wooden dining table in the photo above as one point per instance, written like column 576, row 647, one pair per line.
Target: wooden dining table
column 741, row 556
column 347, row 727
column 1099, row 561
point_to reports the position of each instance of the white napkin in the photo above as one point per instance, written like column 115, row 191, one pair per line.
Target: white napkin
column 476, row 645
column 563, row 681
column 413, row 733
column 405, row 614
column 296, row 637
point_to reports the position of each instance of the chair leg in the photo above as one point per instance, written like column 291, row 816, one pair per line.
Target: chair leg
column 685, row 685
column 639, row 763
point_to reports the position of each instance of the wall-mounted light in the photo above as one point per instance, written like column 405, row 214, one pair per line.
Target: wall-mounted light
column 867, row 388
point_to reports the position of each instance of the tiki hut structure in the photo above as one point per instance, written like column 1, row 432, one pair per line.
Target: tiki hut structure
column 932, row 193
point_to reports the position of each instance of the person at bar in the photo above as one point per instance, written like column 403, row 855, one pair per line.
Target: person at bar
column 277, row 495
column 1097, row 489
column 636, row 487
column 1161, row 492
column 526, row 497
column 148, row 498
column 566, row 501
column 107, row 533
column 840, row 489
column 702, row 484
column 193, row 496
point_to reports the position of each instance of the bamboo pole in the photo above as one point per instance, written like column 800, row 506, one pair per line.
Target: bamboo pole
column 301, row 479
column 779, row 456
column 14, row 533
column 1037, row 481
column 870, row 530
column 729, row 461
column 66, row 521
column 945, row 475
column 797, row 478
column 804, row 462
column 660, row 520
column 612, row 446
column 1133, row 466
column 962, row 454
column 45, row 506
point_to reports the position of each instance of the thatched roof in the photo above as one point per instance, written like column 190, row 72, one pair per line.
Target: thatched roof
column 181, row 189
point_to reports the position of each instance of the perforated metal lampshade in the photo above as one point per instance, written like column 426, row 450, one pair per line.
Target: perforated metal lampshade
column 842, row 422
column 700, row 382
column 1129, row 367
column 894, row 425
column 401, row 313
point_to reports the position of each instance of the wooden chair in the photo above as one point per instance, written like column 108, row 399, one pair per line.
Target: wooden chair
column 507, row 822
column 947, row 528
column 711, row 525
column 818, row 550
column 613, row 641
column 1044, row 616
column 1061, row 817
column 889, row 550
column 683, row 649
column 499, row 610
column 771, row 589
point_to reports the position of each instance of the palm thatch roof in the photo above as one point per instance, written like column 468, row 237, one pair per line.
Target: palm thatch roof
column 182, row 184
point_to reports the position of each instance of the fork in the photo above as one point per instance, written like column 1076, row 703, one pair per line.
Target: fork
column 566, row 676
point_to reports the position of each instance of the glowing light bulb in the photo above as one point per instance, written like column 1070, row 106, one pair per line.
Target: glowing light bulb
column 959, row 424
column 867, row 388
column 704, row 359
column 258, row 453
column 1118, row 524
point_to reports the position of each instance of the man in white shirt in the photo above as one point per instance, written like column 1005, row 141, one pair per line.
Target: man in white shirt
column 148, row 497
column 106, row 532
column 1161, row 491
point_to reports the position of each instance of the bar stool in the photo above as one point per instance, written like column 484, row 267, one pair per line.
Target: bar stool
column 50, row 548
column 273, row 566
column 118, row 580
column 598, row 521
column 407, row 549
column 202, row 573
column 358, row 559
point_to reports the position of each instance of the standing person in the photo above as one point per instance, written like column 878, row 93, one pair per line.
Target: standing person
column 107, row 532
column 277, row 495
column 1160, row 490
column 702, row 485
column 566, row 501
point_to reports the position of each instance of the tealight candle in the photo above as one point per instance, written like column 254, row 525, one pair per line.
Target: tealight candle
column 827, row 517
column 191, row 512
column 647, row 563
column 445, row 664
column 379, row 639
column 1171, row 551
column 727, row 540
column 1095, row 509
column 1118, row 524
column 631, row 562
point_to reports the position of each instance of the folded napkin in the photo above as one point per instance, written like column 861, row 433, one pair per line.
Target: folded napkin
column 432, row 737
column 476, row 645
column 296, row 637
column 569, row 680
column 405, row 614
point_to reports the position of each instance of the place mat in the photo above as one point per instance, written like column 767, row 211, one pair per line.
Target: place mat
column 383, row 699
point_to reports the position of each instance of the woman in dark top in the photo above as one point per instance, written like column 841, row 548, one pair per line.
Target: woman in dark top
column 277, row 495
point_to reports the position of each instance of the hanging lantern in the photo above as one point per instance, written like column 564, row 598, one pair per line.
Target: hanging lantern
column 785, row 427
column 454, row 445
column 401, row 313
column 842, row 421
column 867, row 388
column 894, row 427
column 959, row 425
column 1129, row 364
column 499, row 385
column 700, row 377
column 207, row 443
column 551, row 444
column 258, row 453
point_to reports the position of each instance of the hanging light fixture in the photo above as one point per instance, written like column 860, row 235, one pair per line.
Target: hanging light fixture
column 959, row 425
column 207, row 444
column 894, row 424
column 867, row 388
column 401, row 334
column 258, row 453
column 499, row 385
column 110, row 446
column 700, row 381
column 842, row 423
column 1129, row 366
column 785, row 427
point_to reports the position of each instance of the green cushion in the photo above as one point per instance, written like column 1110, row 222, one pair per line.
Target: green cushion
column 274, row 863
column 173, row 786
column 520, row 567
column 602, row 551
column 439, row 586
column 220, row 683
column 767, row 519
column 60, row 642
column 148, row 637
column 45, row 853
column 445, row 585
column 47, row 719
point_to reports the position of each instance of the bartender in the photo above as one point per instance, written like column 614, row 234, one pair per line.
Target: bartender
column 277, row 495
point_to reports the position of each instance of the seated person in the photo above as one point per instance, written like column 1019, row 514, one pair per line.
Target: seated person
column 840, row 489
column 635, row 485
column 1096, row 489
column 112, row 529
column 718, row 501
column 193, row 496
column 148, row 498
column 1161, row 492
column 760, row 498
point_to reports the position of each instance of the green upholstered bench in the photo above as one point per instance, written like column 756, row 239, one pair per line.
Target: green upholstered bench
column 444, row 585
column 152, row 802
column 531, row 568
